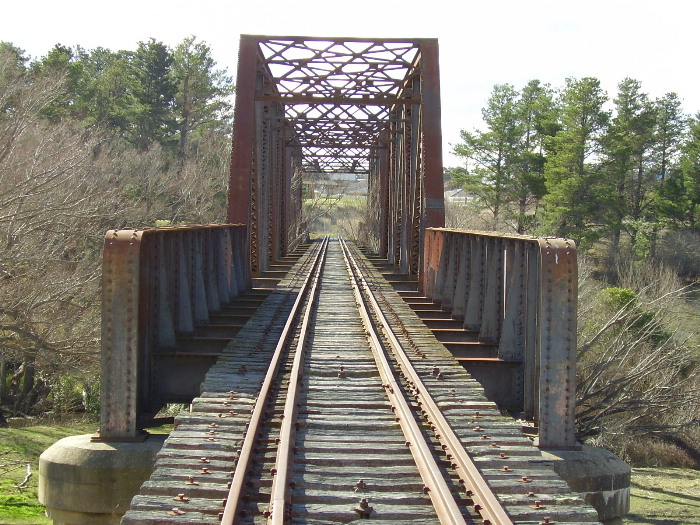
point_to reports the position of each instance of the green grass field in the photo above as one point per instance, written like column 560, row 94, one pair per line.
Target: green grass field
column 664, row 496
column 22, row 446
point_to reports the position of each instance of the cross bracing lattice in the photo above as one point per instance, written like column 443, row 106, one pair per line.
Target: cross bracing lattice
column 337, row 106
column 338, row 95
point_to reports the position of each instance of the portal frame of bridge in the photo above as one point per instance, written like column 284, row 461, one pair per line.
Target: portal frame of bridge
column 337, row 105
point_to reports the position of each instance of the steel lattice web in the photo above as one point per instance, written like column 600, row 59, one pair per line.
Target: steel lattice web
column 338, row 95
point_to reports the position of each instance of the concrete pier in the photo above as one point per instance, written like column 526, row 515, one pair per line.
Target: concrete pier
column 85, row 482
column 599, row 476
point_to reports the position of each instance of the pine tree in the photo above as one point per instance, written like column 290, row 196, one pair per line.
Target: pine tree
column 574, row 200
column 154, row 93
column 201, row 101
column 628, row 148
column 671, row 124
column 538, row 114
column 494, row 153
column 690, row 169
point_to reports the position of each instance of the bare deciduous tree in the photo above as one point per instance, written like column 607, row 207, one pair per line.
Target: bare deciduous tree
column 53, row 204
column 637, row 356
column 62, row 185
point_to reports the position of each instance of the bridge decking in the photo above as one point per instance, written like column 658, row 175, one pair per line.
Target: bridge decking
column 347, row 431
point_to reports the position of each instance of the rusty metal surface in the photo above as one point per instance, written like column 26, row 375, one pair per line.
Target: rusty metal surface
column 243, row 134
column 337, row 105
column 120, row 336
column 159, row 284
column 556, row 333
column 517, row 292
column 432, row 136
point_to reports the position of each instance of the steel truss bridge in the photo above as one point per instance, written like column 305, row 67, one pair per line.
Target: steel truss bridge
column 337, row 105
column 468, row 326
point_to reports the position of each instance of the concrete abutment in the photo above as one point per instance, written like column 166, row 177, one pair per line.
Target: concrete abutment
column 85, row 482
column 599, row 476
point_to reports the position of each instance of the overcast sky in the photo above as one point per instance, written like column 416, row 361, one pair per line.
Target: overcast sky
column 481, row 43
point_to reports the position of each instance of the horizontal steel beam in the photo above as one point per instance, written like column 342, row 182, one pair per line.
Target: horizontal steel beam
column 267, row 38
column 332, row 145
column 351, row 101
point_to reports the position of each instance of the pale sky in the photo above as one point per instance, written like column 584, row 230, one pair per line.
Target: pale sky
column 482, row 43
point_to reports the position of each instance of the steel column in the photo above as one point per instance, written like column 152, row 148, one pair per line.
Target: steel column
column 243, row 133
column 432, row 135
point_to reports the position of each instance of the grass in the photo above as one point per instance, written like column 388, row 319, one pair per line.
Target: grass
column 22, row 446
column 664, row 496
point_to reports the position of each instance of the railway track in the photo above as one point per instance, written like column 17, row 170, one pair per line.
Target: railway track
column 334, row 405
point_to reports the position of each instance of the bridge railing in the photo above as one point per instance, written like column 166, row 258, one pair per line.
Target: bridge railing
column 518, row 293
column 159, row 284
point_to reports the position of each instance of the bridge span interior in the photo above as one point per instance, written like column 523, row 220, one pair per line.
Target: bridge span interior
column 337, row 106
column 174, row 298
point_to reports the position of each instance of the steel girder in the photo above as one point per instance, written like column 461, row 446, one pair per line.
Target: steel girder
column 337, row 105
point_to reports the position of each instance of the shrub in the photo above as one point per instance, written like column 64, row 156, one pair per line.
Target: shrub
column 637, row 372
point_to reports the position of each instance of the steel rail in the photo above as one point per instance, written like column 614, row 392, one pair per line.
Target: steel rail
column 231, row 508
column 280, row 494
column 484, row 499
column 446, row 506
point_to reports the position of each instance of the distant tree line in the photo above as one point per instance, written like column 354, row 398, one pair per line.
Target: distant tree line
column 560, row 162
column 152, row 95
column 92, row 140
column 622, row 178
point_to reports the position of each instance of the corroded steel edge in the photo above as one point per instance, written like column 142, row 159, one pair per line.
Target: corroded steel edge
column 555, row 322
column 123, row 319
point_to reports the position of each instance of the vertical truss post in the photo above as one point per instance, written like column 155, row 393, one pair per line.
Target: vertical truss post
column 405, row 189
column 289, row 207
column 383, row 210
column 264, row 185
column 243, row 133
column 415, row 203
column 432, row 135
column 394, row 193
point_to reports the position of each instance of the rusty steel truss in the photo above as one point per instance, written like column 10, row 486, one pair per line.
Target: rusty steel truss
column 312, row 105
column 517, row 293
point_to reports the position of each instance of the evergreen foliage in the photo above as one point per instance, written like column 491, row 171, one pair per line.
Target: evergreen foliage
column 561, row 163
column 152, row 95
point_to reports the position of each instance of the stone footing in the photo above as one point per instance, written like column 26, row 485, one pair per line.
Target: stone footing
column 82, row 482
column 599, row 475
